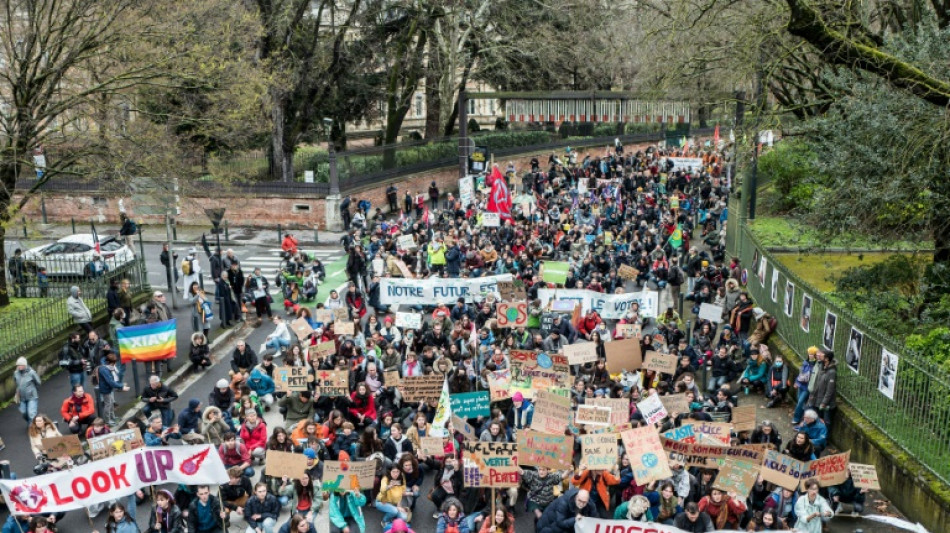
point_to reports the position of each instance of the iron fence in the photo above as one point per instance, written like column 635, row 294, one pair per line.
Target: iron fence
column 899, row 391
column 46, row 318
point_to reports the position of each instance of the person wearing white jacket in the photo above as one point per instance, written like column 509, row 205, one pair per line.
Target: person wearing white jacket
column 811, row 509
column 280, row 338
column 78, row 309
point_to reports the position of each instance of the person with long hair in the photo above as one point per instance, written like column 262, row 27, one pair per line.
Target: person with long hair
column 392, row 487
column 307, row 498
column 725, row 509
column 800, row 447
column 502, row 522
column 119, row 520
column 166, row 517
column 41, row 427
column 298, row 523
column 452, row 518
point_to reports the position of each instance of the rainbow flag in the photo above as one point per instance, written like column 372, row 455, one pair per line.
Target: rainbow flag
column 148, row 342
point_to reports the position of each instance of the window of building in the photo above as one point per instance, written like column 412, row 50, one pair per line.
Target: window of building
column 419, row 104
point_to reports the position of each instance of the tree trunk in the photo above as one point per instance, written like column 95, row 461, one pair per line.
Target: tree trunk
column 9, row 169
column 279, row 163
column 433, row 102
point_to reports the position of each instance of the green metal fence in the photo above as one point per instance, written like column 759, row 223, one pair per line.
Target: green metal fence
column 910, row 403
column 28, row 327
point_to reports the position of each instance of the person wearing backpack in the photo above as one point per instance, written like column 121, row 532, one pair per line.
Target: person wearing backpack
column 128, row 230
column 190, row 272
column 675, row 279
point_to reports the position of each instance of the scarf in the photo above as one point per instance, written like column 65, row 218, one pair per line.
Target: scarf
column 667, row 508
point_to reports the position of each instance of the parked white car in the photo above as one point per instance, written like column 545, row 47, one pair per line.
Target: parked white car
column 70, row 255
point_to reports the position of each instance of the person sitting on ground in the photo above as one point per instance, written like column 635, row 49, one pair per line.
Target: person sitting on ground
column 78, row 410
column 200, row 352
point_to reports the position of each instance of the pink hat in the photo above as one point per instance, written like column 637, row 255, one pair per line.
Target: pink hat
column 399, row 526
column 518, row 397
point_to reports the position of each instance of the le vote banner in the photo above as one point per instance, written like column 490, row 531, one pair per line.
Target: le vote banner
column 114, row 477
column 396, row 291
column 596, row 525
column 613, row 306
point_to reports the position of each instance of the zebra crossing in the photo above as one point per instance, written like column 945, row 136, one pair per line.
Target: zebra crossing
column 270, row 259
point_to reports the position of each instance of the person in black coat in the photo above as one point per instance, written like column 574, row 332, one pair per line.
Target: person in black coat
column 262, row 509
column 210, row 517
column 451, row 472
column 559, row 517
column 453, row 261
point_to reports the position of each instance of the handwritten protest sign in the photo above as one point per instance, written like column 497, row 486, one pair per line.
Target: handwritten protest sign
column 406, row 242
column 433, row 446
column 56, row 447
column 511, row 291
column 627, row 272
column 696, row 454
column 660, row 362
column 681, row 434
column 713, row 432
column 599, row 450
column 580, row 353
column 629, row 331
column 291, row 378
column 550, row 412
column 545, row 449
column 499, row 384
column 323, row 315
column 471, row 404
column 592, row 415
column 403, row 269
column 292, row 465
column 115, row 443
column 743, row 418
column 344, row 328
column 422, row 388
column 301, row 328
column 623, row 355
column 675, row 403
column 864, row 476
column 392, row 378
column 619, row 409
column 555, row 271
column 408, row 320
column 333, row 382
column 737, row 476
column 463, row 427
column 322, row 349
column 652, row 409
column 783, row 470
column 647, row 457
column 341, row 314
column 531, row 371
column 490, row 464
column 340, row 476
column 828, row 470
column 511, row 314
column 710, row 312
column 490, row 219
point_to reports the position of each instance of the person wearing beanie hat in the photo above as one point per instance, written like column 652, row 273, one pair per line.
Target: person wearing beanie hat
column 166, row 517
column 803, row 384
column 27, row 394
column 400, row 526
column 189, row 420
column 520, row 414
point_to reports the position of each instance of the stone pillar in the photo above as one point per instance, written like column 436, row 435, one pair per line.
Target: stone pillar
column 334, row 221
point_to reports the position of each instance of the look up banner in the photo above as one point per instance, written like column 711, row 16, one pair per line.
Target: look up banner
column 114, row 477
column 613, row 306
column 395, row 291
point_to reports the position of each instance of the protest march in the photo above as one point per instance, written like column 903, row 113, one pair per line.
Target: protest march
column 517, row 350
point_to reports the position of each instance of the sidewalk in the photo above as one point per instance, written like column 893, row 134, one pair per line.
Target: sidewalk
column 186, row 235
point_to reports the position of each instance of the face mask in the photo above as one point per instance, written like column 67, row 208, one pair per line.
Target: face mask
column 778, row 364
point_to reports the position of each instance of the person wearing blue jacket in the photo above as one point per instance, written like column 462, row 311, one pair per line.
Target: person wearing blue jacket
column 189, row 420
column 263, row 386
column 756, row 369
column 344, row 507
column 816, row 430
column 559, row 517
column 108, row 375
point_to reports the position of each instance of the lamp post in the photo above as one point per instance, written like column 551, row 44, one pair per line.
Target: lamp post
column 331, row 151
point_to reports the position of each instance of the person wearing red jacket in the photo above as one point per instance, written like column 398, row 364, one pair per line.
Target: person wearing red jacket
column 588, row 323
column 78, row 410
column 289, row 245
column 254, row 434
column 363, row 406
column 234, row 454
column 724, row 509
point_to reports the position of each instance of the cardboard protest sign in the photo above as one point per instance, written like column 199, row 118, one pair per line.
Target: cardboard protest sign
column 333, row 382
column 422, row 388
column 433, row 446
column 864, row 476
column 292, row 378
column 599, row 450
column 490, row 464
column 627, row 272
column 471, row 404
column 292, row 465
column 323, row 315
column 629, row 331
column 341, row 314
column 392, row 378
column 647, row 457
column 782, row 470
column 341, row 476
column 696, row 453
column 499, row 384
column 555, row 271
column 403, row 269
column 828, row 470
column 545, row 449
column 406, row 242
column 56, row 447
column 743, row 418
column 322, row 349
column 408, row 320
column 464, row 428
column 301, row 328
column 683, row 433
column 580, row 353
column 652, row 409
column 676, row 404
column 661, row 362
column 710, row 312
column 550, row 412
column 737, row 476
column 115, row 443
column 619, row 409
column 510, row 291
column 713, row 432
column 344, row 328
column 592, row 415
column 531, row 371
column 623, row 355
column 511, row 314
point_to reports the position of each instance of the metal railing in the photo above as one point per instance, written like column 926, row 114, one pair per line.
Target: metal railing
column 27, row 327
column 918, row 416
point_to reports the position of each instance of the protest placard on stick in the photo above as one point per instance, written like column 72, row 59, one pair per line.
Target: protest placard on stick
column 422, row 388
column 599, row 450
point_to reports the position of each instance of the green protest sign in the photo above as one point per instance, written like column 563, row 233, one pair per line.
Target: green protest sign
column 556, row 272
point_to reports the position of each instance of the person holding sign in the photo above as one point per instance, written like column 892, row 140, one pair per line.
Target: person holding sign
column 345, row 507
column 596, row 483
column 41, row 428
column 811, row 509
column 847, row 493
column 540, row 485
column 564, row 512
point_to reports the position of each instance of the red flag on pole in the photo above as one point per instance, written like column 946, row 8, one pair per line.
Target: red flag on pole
column 499, row 200
column 95, row 238
column 716, row 137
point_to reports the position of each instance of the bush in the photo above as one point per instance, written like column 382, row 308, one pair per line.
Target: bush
column 606, row 130
column 585, row 129
column 566, row 130
column 473, row 126
column 933, row 345
column 501, row 124
column 640, row 127
column 791, row 167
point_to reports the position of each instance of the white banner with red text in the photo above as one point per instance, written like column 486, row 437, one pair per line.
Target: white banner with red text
column 111, row 478
column 596, row 525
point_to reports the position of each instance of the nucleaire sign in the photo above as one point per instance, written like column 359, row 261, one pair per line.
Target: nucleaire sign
column 397, row 291
column 613, row 306
column 114, row 477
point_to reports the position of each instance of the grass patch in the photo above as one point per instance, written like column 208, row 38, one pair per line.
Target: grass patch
column 821, row 270
column 17, row 305
column 790, row 233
